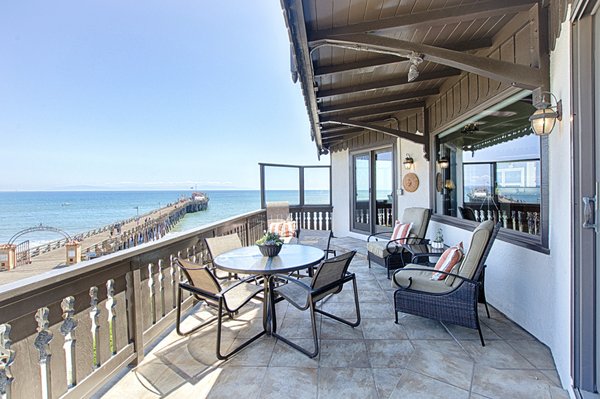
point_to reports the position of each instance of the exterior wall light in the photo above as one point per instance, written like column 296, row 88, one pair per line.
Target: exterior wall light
column 544, row 118
column 408, row 162
column 443, row 162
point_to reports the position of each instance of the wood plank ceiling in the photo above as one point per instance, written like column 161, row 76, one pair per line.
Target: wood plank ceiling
column 352, row 57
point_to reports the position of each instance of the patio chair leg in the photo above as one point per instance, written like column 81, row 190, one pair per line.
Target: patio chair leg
column 487, row 310
column 313, row 321
column 480, row 334
column 369, row 260
column 226, row 356
column 272, row 305
column 178, row 319
column 349, row 323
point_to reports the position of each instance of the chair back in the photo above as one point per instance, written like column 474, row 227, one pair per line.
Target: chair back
column 278, row 211
column 199, row 276
column 315, row 238
column 419, row 217
column 482, row 240
column 330, row 271
column 218, row 245
column 466, row 213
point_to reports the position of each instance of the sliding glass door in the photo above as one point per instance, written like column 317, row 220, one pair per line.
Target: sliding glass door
column 373, row 191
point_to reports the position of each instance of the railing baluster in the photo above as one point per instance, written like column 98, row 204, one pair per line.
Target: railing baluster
column 94, row 313
column 7, row 357
column 67, row 329
column 111, row 304
column 172, row 279
column 151, row 293
column 42, row 344
column 161, row 284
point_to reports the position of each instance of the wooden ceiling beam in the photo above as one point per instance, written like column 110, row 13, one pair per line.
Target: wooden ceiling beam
column 514, row 74
column 381, row 100
column 387, row 109
column 340, row 131
column 392, row 59
column 443, row 16
column 381, row 129
column 382, row 84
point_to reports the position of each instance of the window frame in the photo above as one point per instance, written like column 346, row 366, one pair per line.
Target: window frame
column 536, row 243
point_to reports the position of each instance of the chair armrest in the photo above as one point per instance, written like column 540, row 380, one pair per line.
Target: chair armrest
column 295, row 281
column 376, row 235
column 237, row 283
column 431, row 270
column 347, row 277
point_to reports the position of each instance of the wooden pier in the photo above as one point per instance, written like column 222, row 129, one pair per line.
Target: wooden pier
column 108, row 239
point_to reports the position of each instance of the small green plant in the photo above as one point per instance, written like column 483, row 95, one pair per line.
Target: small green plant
column 439, row 236
column 270, row 239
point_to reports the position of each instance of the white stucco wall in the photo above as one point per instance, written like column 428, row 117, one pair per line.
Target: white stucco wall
column 531, row 288
column 420, row 197
column 340, row 193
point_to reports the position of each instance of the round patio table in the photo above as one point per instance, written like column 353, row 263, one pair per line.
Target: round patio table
column 249, row 260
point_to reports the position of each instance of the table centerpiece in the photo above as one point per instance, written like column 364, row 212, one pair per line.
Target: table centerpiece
column 270, row 244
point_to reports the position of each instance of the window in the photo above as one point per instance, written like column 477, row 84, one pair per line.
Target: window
column 494, row 171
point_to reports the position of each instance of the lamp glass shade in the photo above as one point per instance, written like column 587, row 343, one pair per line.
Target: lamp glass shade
column 408, row 162
column 543, row 121
column 443, row 163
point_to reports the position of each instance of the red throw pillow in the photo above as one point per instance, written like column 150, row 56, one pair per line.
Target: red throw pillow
column 284, row 229
column 401, row 231
column 447, row 261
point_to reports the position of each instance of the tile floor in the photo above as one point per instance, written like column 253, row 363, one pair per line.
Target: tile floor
column 418, row 358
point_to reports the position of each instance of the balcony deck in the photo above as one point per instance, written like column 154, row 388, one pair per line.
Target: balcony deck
column 378, row 359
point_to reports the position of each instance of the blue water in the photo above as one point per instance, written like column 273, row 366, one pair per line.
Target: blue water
column 78, row 211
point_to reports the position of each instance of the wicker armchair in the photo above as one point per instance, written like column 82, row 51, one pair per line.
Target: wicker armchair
column 390, row 254
column 304, row 293
column 454, row 299
column 227, row 299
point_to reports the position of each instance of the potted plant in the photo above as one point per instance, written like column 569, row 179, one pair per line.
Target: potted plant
column 438, row 240
column 270, row 244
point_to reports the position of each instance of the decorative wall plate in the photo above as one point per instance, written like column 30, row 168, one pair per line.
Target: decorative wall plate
column 410, row 182
column 439, row 184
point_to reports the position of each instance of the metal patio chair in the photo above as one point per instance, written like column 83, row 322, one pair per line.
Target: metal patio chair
column 228, row 299
column 304, row 293
column 454, row 299
column 221, row 244
column 390, row 254
column 316, row 238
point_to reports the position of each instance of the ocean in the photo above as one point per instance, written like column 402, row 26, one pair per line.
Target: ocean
column 79, row 211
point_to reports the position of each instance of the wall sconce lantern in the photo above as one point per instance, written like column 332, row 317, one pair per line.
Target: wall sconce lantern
column 546, row 115
column 408, row 162
column 443, row 162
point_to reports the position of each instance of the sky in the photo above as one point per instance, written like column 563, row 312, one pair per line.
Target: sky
column 147, row 95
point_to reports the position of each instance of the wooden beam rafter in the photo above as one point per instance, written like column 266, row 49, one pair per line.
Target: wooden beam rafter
column 382, row 84
column 443, row 16
column 381, row 100
column 415, row 138
column 514, row 74
column 392, row 59
column 381, row 129
column 387, row 109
